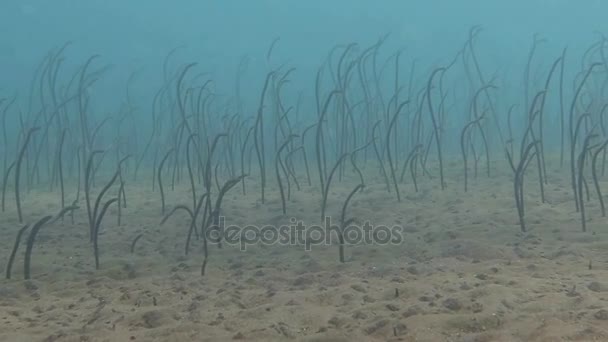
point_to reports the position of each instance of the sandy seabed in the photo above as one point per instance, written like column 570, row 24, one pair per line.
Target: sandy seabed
column 464, row 271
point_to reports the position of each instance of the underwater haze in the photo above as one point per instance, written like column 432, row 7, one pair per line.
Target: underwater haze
column 269, row 170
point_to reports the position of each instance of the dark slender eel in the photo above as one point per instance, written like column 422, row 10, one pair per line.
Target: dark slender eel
column 4, row 183
column 408, row 160
column 602, row 116
column 435, row 124
column 258, row 134
column 189, row 164
column 60, row 168
column 379, row 157
column 518, row 180
column 213, row 222
column 207, row 176
column 533, row 114
column 288, row 159
column 561, row 107
column 216, row 175
column 540, row 119
column 99, row 199
column 475, row 111
column 30, row 245
column 388, row 148
column 243, row 148
column 574, row 138
column 581, row 166
column 18, row 170
column 31, row 239
column 278, row 174
column 594, row 173
column 87, row 191
column 319, row 146
column 463, row 148
column 121, row 197
column 328, row 183
column 122, row 194
column 353, row 160
column 573, row 131
column 413, row 163
column 64, row 211
column 11, row 259
column 343, row 223
column 97, row 227
column 134, row 242
column 160, row 180
column 193, row 225
column 472, row 33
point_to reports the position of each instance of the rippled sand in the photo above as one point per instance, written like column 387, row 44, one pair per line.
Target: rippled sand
column 463, row 273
